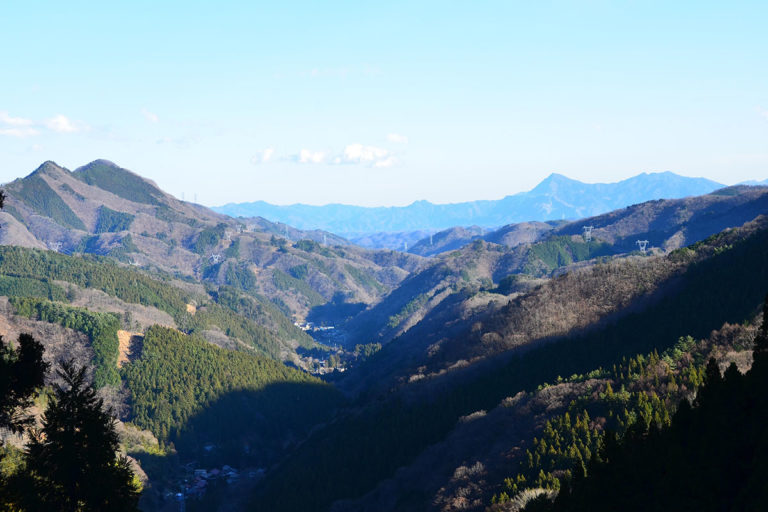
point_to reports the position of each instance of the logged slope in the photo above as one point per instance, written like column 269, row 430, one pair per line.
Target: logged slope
column 557, row 197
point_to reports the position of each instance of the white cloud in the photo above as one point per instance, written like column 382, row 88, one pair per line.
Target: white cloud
column 19, row 132
column 21, row 127
column 397, row 138
column 61, row 124
column 307, row 156
column 387, row 162
column 6, row 119
column 353, row 154
column 763, row 113
column 263, row 156
column 149, row 116
column 16, row 126
column 359, row 154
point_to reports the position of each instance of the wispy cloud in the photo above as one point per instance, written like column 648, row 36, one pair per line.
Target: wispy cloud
column 390, row 161
column 62, row 124
column 12, row 126
column 353, row 154
column 397, row 138
column 149, row 116
column 763, row 112
column 16, row 126
column 307, row 156
column 360, row 154
column 7, row 120
column 19, row 132
column 263, row 156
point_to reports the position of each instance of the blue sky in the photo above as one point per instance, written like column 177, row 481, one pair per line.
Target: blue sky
column 384, row 103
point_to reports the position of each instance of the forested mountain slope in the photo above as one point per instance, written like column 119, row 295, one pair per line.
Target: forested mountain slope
column 460, row 287
column 718, row 281
column 181, row 398
column 107, row 210
column 709, row 457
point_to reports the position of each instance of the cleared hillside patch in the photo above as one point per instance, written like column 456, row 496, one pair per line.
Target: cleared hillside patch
column 127, row 343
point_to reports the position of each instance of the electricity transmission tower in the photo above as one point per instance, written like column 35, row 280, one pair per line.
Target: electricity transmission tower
column 642, row 245
column 215, row 258
column 588, row 233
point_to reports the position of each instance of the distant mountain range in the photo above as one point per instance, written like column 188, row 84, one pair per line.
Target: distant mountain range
column 555, row 198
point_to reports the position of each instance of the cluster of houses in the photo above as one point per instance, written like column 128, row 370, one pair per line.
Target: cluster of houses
column 197, row 485
column 311, row 327
column 326, row 334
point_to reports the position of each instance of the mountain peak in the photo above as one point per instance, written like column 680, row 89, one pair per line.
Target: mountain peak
column 50, row 168
column 100, row 163
column 552, row 182
column 104, row 161
column 122, row 182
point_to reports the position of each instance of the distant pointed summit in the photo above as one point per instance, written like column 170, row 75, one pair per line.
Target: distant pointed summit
column 553, row 182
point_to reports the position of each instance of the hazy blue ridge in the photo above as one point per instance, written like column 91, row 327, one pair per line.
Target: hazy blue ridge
column 555, row 198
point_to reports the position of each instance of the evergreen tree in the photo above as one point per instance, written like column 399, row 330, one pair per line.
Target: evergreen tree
column 761, row 340
column 22, row 371
column 72, row 462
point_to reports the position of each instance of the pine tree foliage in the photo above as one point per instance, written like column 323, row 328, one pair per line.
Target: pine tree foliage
column 713, row 456
column 72, row 462
column 101, row 328
column 190, row 392
column 22, row 372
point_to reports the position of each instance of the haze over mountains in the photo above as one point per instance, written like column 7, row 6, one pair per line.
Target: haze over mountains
column 555, row 198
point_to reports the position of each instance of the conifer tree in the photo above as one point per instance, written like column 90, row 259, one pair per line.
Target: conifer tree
column 22, row 371
column 72, row 462
column 761, row 340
